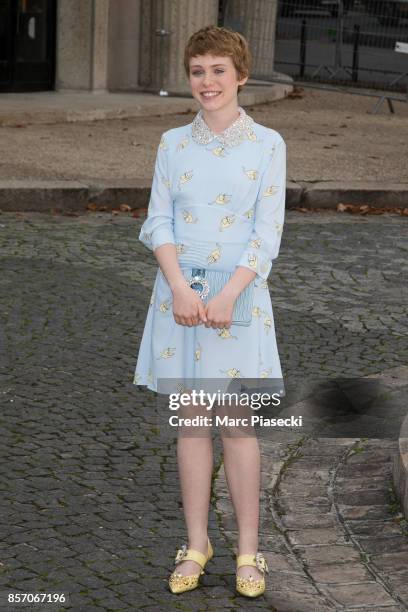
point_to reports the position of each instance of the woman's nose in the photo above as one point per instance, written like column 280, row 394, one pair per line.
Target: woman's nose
column 207, row 80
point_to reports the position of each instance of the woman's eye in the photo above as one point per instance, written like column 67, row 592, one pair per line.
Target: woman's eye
column 196, row 73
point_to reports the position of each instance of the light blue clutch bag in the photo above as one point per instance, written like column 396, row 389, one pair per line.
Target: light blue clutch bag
column 208, row 283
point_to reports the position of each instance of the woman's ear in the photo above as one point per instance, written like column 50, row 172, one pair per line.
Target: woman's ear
column 243, row 80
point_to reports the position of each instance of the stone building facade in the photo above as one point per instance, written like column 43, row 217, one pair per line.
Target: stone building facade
column 119, row 45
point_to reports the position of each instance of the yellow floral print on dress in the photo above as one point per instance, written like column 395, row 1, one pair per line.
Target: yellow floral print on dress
column 219, row 151
column 163, row 144
column 185, row 178
column 181, row 248
column 256, row 244
column 251, row 174
column 257, row 311
column 215, row 254
column 270, row 191
column 252, row 260
column 183, row 143
column 267, row 324
column 232, row 373
column 222, row 198
column 165, row 182
column 167, row 353
column 188, row 217
column 225, row 333
column 197, row 352
column 226, row 222
column 165, row 306
column 279, row 227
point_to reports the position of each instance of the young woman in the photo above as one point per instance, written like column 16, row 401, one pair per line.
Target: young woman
column 217, row 203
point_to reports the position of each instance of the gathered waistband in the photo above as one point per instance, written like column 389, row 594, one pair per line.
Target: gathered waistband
column 210, row 255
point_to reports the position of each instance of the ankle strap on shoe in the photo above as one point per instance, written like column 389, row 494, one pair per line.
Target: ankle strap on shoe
column 189, row 554
column 257, row 560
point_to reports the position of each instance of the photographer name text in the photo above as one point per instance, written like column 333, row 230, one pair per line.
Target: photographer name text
column 226, row 421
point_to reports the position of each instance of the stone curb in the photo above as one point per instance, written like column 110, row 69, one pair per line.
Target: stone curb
column 44, row 195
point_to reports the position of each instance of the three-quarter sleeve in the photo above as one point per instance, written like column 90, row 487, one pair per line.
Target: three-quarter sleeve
column 264, row 241
column 157, row 229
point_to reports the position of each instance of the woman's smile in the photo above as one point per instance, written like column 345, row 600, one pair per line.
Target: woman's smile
column 208, row 95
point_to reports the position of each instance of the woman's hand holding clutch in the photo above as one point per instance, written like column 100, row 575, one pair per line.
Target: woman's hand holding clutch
column 188, row 307
column 219, row 311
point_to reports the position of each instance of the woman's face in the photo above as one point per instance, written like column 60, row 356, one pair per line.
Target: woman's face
column 213, row 81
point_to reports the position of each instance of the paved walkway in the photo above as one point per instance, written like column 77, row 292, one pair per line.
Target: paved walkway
column 331, row 529
column 50, row 107
column 90, row 499
column 330, row 137
column 337, row 151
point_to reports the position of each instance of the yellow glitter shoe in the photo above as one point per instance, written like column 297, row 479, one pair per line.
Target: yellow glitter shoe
column 249, row 586
column 179, row 583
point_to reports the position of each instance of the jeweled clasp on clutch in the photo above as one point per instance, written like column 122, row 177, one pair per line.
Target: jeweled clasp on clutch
column 199, row 283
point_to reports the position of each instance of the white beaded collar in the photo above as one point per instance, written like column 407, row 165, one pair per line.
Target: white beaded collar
column 233, row 135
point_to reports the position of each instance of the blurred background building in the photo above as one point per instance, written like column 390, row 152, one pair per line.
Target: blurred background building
column 137, row 45
column 116, row 45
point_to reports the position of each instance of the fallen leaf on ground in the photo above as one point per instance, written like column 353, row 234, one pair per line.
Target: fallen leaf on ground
column 138, row 212
column 365, row 209
column 297, row 92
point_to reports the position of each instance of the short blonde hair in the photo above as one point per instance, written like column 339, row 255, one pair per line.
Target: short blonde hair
column 223, row 42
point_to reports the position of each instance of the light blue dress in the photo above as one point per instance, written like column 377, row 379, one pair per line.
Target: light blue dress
column 220, row 198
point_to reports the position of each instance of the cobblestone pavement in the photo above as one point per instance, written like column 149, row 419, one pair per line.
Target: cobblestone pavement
column 90, row 500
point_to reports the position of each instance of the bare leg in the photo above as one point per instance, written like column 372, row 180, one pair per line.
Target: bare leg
column 195, row 464
column 242, row 470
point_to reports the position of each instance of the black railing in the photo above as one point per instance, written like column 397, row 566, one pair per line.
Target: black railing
column 344, row 41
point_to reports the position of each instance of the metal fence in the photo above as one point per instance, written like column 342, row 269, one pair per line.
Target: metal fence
column 358, row 43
